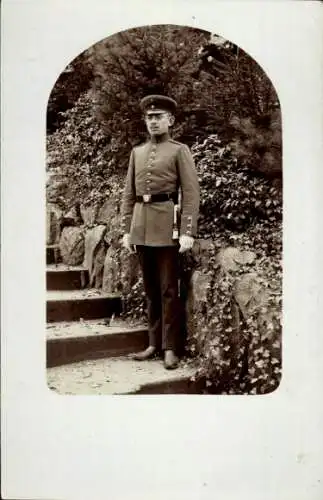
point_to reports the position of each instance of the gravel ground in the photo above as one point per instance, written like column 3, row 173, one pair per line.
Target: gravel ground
column 111, row 376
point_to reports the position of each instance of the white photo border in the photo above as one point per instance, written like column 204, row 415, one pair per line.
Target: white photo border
column 153, row 447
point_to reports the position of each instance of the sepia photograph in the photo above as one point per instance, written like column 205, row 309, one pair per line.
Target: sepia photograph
column 161, row 295
column 164, row 218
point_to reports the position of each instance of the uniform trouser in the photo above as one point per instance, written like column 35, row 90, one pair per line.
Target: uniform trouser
column 160, row 270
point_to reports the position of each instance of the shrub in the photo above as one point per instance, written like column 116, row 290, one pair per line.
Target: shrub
column 257, row 143
column 232, row 197
column 72, row 82
column 247, row 105
column 244, row 210
column 97, row 126
column 141, row 61
column 81, row 156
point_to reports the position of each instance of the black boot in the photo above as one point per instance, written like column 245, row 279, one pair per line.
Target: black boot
column 171, row 360
column 146, row 354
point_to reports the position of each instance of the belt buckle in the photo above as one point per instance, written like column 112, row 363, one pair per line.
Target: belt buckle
column 146, row 198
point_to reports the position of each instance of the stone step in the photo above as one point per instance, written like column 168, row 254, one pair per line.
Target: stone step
column 52, row 254
column 73, row 305
column 68, row 342
column 63, row 277
column 122, row 376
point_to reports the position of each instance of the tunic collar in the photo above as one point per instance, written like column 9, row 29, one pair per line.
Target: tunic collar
column 159, row 138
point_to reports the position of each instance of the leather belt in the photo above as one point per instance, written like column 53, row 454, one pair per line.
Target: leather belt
column 150, row 198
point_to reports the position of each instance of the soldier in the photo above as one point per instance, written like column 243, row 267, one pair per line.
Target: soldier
column 157, row 169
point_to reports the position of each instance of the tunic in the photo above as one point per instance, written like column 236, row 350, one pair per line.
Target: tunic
column 161, row 165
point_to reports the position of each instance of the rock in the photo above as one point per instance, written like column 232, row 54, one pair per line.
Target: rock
column 130, row 271
column 200, row 282
column 122, row 274
column 249, row 294
column 71, row 246
column 113, row 234
column 96, row 276
column 73, row 216
column 101, row 214
column 89, row 214
column 239, row 341
column 246, row 257
column 92, row 239
column 56, row 187
column 112, row 271
column 195, row 284
column 231, row 258
column 196, row 303
column 108, row 211
column 202, row 251
column 54, row 216
column 253, row 298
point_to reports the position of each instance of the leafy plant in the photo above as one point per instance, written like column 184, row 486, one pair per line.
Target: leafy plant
column 74, row 80
column 232, row 197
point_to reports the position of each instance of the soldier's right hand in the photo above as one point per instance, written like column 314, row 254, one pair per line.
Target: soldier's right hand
column 126, row 243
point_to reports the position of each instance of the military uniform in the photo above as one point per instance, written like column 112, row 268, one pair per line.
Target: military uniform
column 157, row 169
column 162, row 165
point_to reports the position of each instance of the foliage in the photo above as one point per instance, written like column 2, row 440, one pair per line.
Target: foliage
column 237, row 354
column 132, row 64
column 229, row 115
column 94, row 129
column 232, row 198
column 71, row 83
column 95, row 135
column 246, row 103
column 217, row 86
column 80, row 156
column 239, row 209
column 241, row 87
column 134, row 307
column 257, row 143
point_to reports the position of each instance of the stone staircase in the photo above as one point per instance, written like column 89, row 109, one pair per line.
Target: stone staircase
column 87, row 343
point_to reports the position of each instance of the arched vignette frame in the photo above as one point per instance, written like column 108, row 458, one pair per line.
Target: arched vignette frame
column 102, row 42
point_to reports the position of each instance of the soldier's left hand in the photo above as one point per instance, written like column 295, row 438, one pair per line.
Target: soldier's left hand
column 185, row 242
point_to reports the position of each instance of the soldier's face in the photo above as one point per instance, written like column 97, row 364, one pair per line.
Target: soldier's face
column 158, row 123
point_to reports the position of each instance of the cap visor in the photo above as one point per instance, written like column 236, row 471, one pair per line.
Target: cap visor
column 156, row 111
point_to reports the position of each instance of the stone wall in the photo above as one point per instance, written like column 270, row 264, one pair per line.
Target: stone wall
column 244, row 337
column 234, row 319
